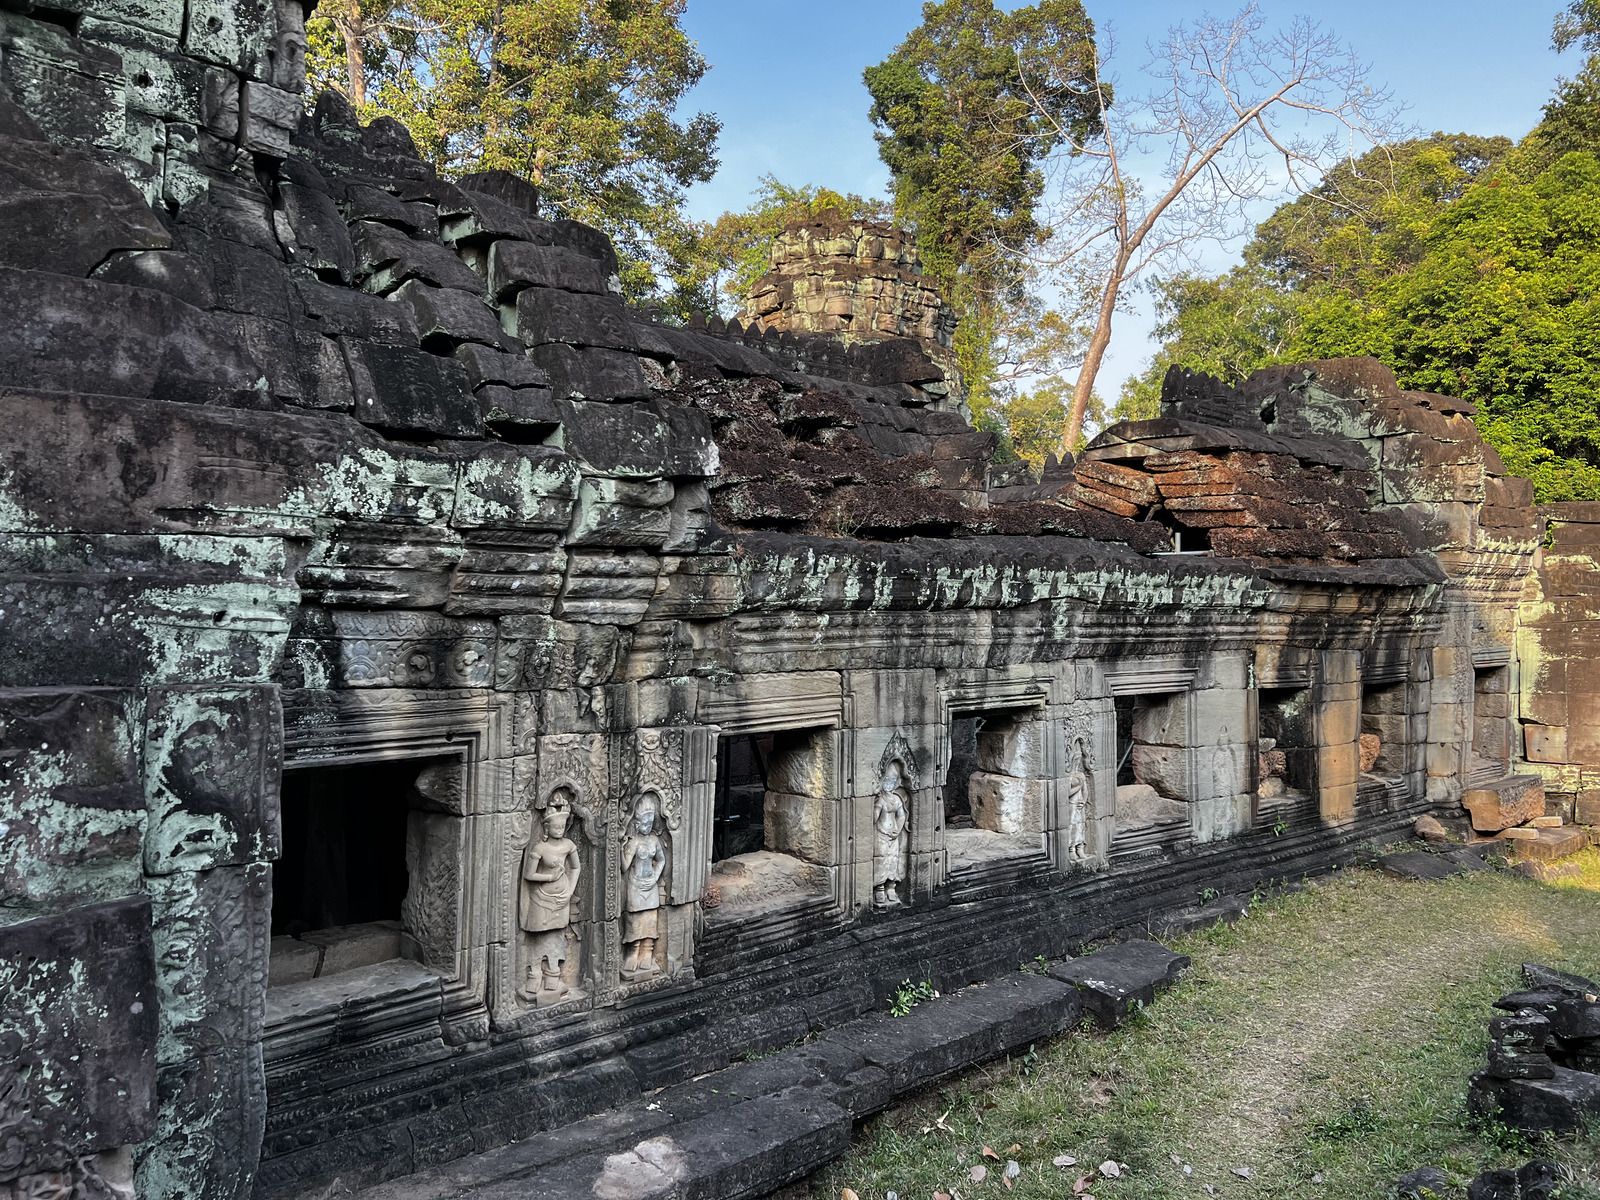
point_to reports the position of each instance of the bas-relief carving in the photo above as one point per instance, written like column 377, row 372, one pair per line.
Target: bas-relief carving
column 890, row 834
column 644, row 862
column 560, row 827
column 551, row 868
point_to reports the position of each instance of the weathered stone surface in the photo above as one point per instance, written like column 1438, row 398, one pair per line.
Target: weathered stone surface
column 83, row 335
column 1548, row 845
column 1559, row 1103
column 591, row 373
column 446, row 317
column 1116, row 980
column 1506, row 804
column 406, row 390
column 62, row 211
column 71, row 798
column 515, row 265
column 547, row 315
column 213, row 759
column 78, row 979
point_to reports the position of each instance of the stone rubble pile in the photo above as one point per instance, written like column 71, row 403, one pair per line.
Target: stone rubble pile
column 1544, row 1058
column 1537, row 1180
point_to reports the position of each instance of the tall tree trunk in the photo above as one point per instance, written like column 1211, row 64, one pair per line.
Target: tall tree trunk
column 353, row 29
column 1098, row 341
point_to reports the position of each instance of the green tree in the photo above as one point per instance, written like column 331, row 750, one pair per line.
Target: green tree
column 578, row 95
column 963, row 130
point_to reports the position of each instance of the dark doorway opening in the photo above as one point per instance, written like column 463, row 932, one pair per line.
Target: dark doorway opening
column 738, row 821
column 344, row 846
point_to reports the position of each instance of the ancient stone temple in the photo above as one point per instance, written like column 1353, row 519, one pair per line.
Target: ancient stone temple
column 439, row 705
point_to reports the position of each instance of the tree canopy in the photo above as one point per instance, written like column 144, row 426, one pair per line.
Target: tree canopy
column 1468, row 266
column 578, row 95
column 964, row 128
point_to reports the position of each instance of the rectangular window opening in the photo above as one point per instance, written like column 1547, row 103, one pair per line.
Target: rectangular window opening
column 339, row 891
column 773, row 822
column 1152, row 771
column 1491, row 722
column 1288, row 765
column 1383, row 729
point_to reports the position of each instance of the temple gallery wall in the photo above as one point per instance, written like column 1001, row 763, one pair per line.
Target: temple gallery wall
column 439, row 702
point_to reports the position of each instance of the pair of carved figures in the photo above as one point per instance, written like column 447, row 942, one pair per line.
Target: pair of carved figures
column 551, row 868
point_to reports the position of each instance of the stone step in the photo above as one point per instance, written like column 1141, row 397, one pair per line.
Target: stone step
column 1112, row 981
column 1505, row 802
column 1551, row 844
column 752, row 1128
column 1423, row 864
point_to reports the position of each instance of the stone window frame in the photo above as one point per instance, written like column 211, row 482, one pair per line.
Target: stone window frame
column 980, row 692
column 474, row 727
column 792, row 702
column 1160, row 677
column 1484, row 660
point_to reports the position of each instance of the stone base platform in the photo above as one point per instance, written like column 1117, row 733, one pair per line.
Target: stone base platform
column 753, row 1127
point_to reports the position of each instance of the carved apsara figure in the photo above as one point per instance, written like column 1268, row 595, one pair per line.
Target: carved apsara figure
column 644, row 861
column 550, row 870
column 891, row 814
column 1078, row 803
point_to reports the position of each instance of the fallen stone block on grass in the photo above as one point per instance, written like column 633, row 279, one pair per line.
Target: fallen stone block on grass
column 1420, row 864
column 1561, row 1102
column 1113, row 980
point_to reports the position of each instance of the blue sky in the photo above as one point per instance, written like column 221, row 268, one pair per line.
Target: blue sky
column 786, row 81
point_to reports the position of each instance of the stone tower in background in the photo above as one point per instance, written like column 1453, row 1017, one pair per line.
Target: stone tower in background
column 861, row 281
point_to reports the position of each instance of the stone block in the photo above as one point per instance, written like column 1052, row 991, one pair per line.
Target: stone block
column 293, row 961
column 448, row 317
column 1164, row 768
column 802, row 826
column 1012, row 746
column 1510, row 802
column 386, row 258
column 489, row 366
column 212, row 934
column 547, row 315
column 1113, row 981
column 1338, row 765
column 1587, row 807
column 1549, row 845
column 1220, row 817
column 1547, row 872
column 894, row 697
column 88, row 336
column 1545, row 743
column 208, row 1137
column 524, row 488
column 71, row 795
column 1005, row 804
column 78, row 980
column 639, row 440
column 213, row 761
column 515, row 265
column 802, row 763
column 622, row 512
column 1338, row 722
column 350, row 947
column 1337, row 802
column 1563, row 1102
column 591, row 373
column 410, row 391
column 61, row 211
column 268, row 117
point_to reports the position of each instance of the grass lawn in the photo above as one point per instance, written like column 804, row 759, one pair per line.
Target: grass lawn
column 1324, row 1044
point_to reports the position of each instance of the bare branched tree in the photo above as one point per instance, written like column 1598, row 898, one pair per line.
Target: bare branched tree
column 1242, row 115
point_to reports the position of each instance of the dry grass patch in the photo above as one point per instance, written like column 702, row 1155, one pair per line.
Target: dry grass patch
column 1323, row 1044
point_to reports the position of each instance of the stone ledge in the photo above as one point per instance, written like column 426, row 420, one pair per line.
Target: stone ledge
column 755, row 1126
